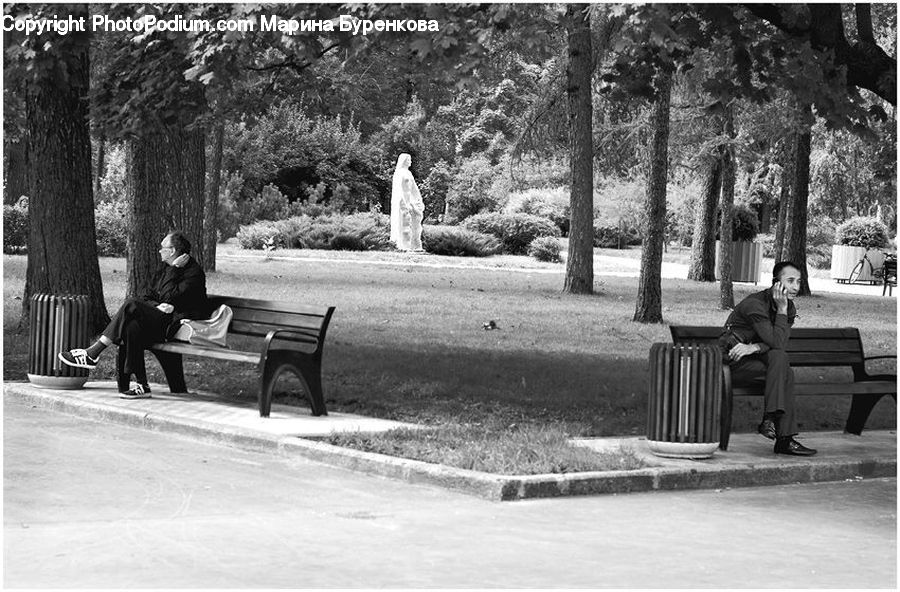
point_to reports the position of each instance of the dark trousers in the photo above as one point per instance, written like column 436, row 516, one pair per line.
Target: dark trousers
column 135, row 326
column 773, row 369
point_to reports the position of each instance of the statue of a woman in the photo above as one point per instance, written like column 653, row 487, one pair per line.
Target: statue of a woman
column 407, row 207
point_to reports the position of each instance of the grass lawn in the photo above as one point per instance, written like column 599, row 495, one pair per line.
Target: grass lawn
column 406, row 341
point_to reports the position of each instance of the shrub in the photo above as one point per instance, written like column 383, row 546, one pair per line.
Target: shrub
column 260, row 235
column 228, row 216
column 434, row 190
column 112, row 229
column 818, row 256
column 549, row 202
column 862, row 231
column 347, row 242
column 112, row 183
column 546, row 248
column 270, row 204
column 15, row 226
column 471, row 189
column 515, row 231
column 457, row 241
column 744, row 223
column 609, row 235
column 361, row 232
column 287, row 147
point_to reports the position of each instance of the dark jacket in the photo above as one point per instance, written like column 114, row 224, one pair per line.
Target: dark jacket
column 182, row 287
column 755, row 320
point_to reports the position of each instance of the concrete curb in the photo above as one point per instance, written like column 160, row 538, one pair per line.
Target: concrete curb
column 485, row 485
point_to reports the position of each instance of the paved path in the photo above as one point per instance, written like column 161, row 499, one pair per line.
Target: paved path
column 89, row 504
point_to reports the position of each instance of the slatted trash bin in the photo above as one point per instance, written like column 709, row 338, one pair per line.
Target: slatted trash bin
column 59, row 322
column 685, row 400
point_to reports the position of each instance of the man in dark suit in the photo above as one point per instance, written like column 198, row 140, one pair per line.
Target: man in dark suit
column 178, row 292
column 755, row 342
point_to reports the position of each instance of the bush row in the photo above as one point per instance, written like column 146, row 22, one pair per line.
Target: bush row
column 111, row 225
column 483, row 236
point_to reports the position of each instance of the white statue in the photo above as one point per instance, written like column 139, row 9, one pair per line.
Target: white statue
column 407, row 207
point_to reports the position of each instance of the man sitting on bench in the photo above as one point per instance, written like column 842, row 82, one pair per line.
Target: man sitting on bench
column 754, row 344
column 178, row 292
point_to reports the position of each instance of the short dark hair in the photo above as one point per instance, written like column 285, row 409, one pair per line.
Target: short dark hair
column 180, row 242
column 779, row 267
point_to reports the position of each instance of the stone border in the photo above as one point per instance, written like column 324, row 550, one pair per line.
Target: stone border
column 486, row 485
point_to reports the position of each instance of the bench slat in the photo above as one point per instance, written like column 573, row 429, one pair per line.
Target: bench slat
column 208, row 352
column 261, row 330
column 313, row 323
column 873, row 387
column 826, row 345
column 846, row 346
column 688, row 332
column 269, row 305
column 824, row 358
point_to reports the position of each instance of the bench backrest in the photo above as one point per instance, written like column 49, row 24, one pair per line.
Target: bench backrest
column 806, row 347
column 257, row 318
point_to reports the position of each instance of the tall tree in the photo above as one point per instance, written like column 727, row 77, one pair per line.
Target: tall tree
column 580, row 262
column 163, row 129
column 648, row 308
column 795, row 234
column 211, row 207
column 62, row 245
column 729, row 168
column 702, row 266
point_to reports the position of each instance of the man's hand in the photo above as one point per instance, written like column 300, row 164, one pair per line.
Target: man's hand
column 742, row 349
column 779, row 294
column 165, row 307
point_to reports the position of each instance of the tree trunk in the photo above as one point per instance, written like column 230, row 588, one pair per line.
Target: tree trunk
column 795, row 230
column 726, row 286
column 580, row 262
column 14, row 170
column 166, row 170
column 211, row 208
column 784, row 200
column 62, row 240
column 101, row 163
column 765, row 217
column 648, row 308
column 703, row 246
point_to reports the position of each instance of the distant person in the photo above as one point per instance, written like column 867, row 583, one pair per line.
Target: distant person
column 178, row 292
column 754, row 343
column 407, row 207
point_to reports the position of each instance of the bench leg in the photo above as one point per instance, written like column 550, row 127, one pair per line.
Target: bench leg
column 307, row 370
column 860, row 408
column 725, row 428
column 173, row 369
column 727, row 408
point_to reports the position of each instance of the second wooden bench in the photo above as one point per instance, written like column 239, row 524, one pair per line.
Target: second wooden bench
column 808, row 347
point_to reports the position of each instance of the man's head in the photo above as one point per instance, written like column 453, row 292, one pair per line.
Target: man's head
column 788, row 273
column 173, row 246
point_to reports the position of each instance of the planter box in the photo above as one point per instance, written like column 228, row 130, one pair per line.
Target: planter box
column 844, row 258
column 746, row 261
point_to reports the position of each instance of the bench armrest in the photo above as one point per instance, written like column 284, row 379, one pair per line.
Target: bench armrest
column 879, row 358
column 273, row 334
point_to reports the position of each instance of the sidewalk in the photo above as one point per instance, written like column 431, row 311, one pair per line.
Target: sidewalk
column 292, row 431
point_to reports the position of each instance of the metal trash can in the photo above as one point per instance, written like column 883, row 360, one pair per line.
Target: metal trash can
column 683, row 418
column 59, row 322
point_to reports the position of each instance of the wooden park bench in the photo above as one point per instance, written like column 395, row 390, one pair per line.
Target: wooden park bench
column 288, row 336
column 808, row 348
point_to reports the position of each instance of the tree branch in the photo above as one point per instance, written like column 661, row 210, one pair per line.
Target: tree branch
column 864, row 23
column 868, row 65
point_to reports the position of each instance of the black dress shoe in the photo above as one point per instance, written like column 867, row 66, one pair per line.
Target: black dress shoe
column 792, row 447
column 767, row 429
